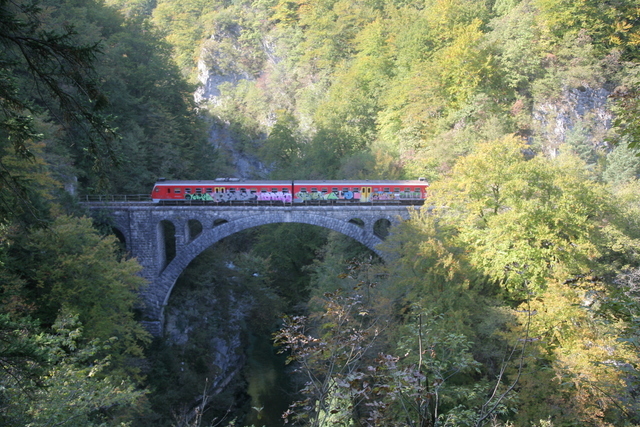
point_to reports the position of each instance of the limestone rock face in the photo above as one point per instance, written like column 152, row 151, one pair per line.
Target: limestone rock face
column 227, row 60
column 209, row 89
column 577, row 115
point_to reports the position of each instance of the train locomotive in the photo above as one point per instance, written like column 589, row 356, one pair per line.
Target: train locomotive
column 232, row 190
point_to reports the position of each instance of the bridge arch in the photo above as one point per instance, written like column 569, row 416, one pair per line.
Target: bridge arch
column 141, row 225
column 167, row 279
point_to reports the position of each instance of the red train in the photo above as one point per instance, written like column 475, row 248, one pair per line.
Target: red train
column 229, row 190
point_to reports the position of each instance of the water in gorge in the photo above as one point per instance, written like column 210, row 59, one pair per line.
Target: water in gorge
column 268, row 384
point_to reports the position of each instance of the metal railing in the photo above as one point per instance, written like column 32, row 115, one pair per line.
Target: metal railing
column 103, row 198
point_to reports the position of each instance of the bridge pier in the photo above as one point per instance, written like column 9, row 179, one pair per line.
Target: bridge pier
column 142, row 226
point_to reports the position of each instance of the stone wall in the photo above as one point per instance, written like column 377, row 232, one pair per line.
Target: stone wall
column 141, row 226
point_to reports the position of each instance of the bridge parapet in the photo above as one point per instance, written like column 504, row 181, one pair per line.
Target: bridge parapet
column 142, row 227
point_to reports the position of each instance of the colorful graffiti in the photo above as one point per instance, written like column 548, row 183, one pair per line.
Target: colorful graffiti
column 242, row 196
column 277, row 197
column 404, row 195
column 206, row 197
column 304, row 196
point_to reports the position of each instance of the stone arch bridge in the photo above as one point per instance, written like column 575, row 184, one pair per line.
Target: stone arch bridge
column 197, row 227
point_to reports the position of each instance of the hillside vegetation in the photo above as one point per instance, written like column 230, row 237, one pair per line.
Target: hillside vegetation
column 511, row 299
column 367, row 89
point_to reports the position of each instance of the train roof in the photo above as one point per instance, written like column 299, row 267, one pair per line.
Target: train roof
column 360, row 182
column 309, row 182
column 212, row 182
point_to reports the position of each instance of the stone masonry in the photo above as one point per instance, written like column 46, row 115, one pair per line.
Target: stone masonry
column 141, row 224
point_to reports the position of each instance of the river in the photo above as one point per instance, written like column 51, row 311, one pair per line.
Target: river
column 269, row 386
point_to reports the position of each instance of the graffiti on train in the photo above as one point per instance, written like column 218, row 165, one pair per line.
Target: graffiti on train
column 302, row 196
column 356, row 196
column 241, row 196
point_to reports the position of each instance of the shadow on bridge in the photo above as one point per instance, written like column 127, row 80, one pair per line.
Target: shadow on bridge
column 165, row 239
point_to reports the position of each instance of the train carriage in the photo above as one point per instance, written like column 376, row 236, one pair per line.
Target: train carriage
column 230, row 190
column 360, row 191
column 222, row 190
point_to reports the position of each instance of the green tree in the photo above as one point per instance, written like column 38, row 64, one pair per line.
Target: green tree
column 330, row 356
column 622, row 165
column 289, row 249
column 160, row 133
column 74, row 388
column 549, row 236
column 29, row 187
column 282, row 149
column 611, row 25
column 69, row 265
column 341, row 264
column 47, row 74
column 350, row 379
column 520, row 43
column 551, row 214
column 626, row 107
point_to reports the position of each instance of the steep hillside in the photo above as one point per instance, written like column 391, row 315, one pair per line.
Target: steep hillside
column 400, row 89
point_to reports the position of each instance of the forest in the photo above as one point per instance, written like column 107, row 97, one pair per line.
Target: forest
column 512, row 298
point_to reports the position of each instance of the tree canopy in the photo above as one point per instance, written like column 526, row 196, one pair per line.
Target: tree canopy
column 511, row 297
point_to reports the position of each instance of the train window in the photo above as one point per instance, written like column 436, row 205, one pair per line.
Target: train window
column 345, row 189
column 209, row 190
column 386, row 189
column 253, row 191
column 156, row 189
column 285, row 190
column 397, row 189
column 274, row 190
column 418, row 189
column 356, row 190
column 314, row 189
column 243, row 190
column 334, row 189
column 198, row 190
column 263, row 190
column 232, row 190
column 324, row 190
column 303, row 189
column 187, row 191
column 407, row 190
column 176, row 190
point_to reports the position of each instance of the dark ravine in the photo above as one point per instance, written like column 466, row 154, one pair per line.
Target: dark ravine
column 268, row 383
column 217, row 335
